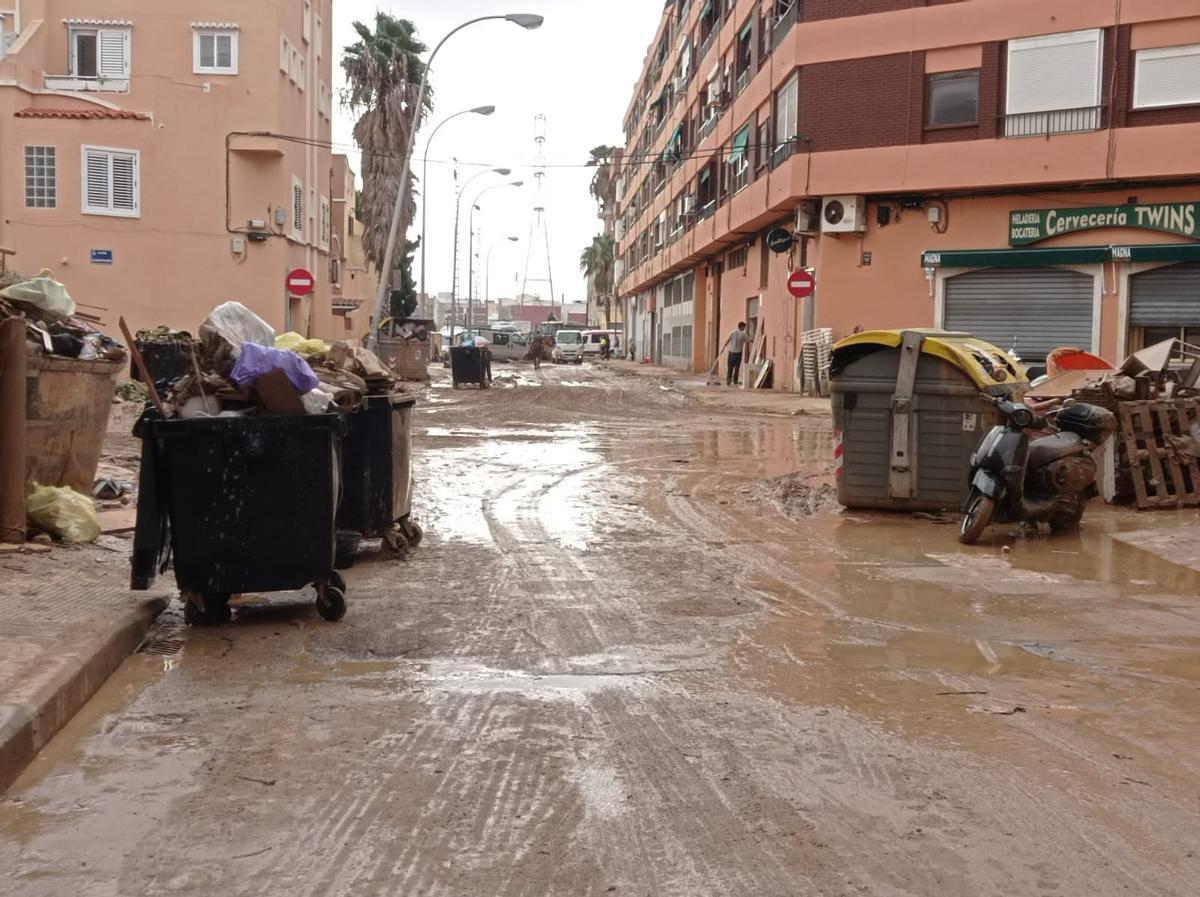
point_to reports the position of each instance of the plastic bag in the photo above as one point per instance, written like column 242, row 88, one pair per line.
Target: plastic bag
column 297, row 343
column 63, row 512
column 317, row 401
column 234, row 325
column 257, row 360
column 44, row 293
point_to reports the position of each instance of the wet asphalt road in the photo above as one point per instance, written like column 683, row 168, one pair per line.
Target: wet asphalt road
column 615, row 667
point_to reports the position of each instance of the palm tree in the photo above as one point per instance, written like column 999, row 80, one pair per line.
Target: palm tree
column 596, row 262
column 383, row 72
column 604, row 184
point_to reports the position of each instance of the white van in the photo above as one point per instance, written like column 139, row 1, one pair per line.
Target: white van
column 507, row 345
column 568, row 346
column 592, row 338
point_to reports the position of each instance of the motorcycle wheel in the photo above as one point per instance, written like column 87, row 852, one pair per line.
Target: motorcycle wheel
column 977, row 519
column 1066, row 521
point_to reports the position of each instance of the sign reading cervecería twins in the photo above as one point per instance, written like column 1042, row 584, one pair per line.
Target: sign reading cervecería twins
column 1034, row 225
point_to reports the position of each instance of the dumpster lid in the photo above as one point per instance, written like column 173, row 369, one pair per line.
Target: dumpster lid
column 986, row 364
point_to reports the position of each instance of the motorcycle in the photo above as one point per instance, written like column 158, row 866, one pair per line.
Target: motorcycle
column 1016, row 478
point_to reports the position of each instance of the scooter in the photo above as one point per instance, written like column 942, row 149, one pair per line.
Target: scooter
column 1019, row 479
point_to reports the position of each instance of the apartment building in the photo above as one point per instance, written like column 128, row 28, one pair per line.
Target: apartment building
column 1020, row 169
column 164, row 157
column 354, row 283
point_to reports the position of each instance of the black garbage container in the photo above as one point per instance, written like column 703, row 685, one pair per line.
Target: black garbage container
column 471, row 364
column 377, row 477
column 244, row 504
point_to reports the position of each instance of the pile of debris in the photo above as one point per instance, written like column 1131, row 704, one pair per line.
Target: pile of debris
column 53, row 323
column 1155, row 394
column 240, row 367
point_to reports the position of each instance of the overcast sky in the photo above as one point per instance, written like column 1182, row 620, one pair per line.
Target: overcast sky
column 578, row 70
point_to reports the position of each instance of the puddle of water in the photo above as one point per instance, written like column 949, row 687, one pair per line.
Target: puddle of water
column 480, row 679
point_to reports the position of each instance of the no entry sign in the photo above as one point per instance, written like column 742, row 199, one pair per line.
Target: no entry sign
column 801, row 284
column 300, row 282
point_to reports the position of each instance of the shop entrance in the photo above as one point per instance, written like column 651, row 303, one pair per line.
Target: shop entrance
column 1165, row 304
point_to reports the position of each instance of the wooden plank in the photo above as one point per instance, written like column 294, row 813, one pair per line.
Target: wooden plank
column 1189, row 411
column 1136, row 455
column 1165, row 415
column 121, row 520
column 1155, row 453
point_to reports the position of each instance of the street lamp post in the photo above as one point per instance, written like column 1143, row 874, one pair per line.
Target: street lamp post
column 471, row 247
column 478, row 110
column 487, row 273
column 503, row 172
column 526, row 21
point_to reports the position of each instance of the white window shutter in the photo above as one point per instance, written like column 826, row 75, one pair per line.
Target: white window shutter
column 285, row 54
column 1054, row 72
column 324, row 221
column 96, row 180
column 124, row 183
column 297, row 209
column 1168, row 76
column 113, row 47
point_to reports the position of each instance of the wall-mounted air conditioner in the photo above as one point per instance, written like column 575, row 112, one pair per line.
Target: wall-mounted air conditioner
column 844, row 215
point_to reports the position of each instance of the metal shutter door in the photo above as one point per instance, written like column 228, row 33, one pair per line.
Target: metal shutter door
column 1166, row 297
column 1034, row 310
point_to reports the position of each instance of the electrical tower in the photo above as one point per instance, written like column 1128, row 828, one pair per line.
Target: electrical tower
column 538, row 228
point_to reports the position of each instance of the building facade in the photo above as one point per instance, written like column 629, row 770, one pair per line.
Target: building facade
column 162, row 158
column 1020, row 169
column 353, row 282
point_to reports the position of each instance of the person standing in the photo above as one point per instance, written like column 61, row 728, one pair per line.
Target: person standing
column 737, row 346
column 536, row 346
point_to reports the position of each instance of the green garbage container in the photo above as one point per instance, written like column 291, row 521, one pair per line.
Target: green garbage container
column 909, row 408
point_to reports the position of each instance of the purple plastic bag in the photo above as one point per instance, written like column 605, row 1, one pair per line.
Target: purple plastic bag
column 257, row 360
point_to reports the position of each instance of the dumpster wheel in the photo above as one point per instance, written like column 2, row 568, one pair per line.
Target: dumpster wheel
column 331, row 598
column 412, row 531
column 207, row 609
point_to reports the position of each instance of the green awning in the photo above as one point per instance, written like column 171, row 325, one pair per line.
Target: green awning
column 1162, row 252
column 707, row 9
column 673, row 143
column 704, row 175
column 745, row 33
column 1015, row 258
column 738, row 148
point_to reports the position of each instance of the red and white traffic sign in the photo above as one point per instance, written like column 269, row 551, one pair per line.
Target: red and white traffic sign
column 801, row 284
column 300, row 282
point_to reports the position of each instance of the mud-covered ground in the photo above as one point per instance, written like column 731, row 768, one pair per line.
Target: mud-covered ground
column 630, row 658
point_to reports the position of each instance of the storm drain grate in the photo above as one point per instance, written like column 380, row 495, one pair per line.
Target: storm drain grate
column 162, row 645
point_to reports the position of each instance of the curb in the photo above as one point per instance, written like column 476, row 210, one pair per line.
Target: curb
column 59, row 689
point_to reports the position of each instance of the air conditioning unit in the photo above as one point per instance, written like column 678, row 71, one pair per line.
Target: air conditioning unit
column 679, row 85
column 689, row 203
column 808, row 217
column 844, row 215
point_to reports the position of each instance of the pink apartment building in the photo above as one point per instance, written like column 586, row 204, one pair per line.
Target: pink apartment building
column 1022, row 169
column 163, row 157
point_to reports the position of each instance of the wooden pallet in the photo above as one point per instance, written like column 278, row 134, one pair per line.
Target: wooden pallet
column 1161, row 452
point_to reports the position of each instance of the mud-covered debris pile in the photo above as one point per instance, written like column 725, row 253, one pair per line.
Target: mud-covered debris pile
column 797, row 498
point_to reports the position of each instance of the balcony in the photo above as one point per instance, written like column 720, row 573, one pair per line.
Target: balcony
column 743, row 81
column 783, row 23
column 706, row 45
column 739, row 180
column 75, row 83
column 707, row 211
column 708, row 127
column 783, row 152
column 1059, row 121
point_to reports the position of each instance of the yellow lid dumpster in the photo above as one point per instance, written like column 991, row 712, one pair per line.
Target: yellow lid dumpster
column 909, row 407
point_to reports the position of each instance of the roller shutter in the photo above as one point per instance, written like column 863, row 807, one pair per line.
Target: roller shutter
column 1034, row 310
column 1166, row 297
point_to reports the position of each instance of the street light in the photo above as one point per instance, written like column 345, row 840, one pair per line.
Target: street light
column 526, row 21
column 478, row 110
column 471, row 247
column 503, row 172
column 487, row 274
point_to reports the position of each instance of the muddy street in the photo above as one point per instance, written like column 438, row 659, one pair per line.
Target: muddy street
column 641, row 651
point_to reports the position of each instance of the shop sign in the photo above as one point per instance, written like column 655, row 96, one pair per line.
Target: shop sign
column 1034, row 225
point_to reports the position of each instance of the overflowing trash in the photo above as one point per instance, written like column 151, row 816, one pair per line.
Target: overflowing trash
column 54, row 325
column 242, row 368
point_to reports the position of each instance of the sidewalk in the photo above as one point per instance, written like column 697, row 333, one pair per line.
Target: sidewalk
column 754, row 401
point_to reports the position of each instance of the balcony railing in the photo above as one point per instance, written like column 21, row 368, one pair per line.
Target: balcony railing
column 783, row 152
column 1058, row 121
column 743, row 81
column 706, row 211
column 739, row 180
column 784, row 23
column 708, row 126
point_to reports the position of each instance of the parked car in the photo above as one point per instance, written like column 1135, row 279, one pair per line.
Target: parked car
column 592, row 338
column 506, row 344
column 568, row 347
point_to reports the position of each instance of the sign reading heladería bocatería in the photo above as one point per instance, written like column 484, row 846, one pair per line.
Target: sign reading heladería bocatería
column 1034, row 225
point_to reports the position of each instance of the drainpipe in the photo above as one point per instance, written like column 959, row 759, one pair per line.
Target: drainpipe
column 12, row 431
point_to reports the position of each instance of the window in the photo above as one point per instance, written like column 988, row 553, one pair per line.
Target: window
column 301, row 73
column 1167, row 76
column 737, row 258
column 285, row 54
column 297, row 209
column 41, row 177
column 1054, row 83
column 306, row 25
column 101, row 53
column 739, row 159
column 763, row 151
column 787, row 110
column 215, row 52
column 953, row 99
column 294, row 66
column 325, row 222
column 111, row 182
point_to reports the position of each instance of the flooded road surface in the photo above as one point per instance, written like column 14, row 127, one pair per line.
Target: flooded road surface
column 615, row 666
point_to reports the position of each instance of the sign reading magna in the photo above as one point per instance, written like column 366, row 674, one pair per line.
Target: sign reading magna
column 1035, row 225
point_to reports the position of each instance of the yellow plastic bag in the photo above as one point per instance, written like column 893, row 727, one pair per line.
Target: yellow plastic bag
column 63, row 512
column 297, row 343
